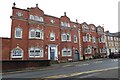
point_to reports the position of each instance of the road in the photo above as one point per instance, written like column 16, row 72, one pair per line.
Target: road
column 99, row 68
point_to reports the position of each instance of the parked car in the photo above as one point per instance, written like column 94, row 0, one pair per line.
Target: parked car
column 114, row 55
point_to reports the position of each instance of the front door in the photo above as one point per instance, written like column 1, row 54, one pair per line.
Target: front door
column 76, row 55
column 52, row 53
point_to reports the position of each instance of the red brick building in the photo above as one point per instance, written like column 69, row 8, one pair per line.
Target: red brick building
column 37, row 36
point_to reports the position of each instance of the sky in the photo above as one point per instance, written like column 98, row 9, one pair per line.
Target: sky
column 98, row 12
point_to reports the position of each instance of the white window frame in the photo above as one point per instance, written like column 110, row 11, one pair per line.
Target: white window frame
column 93, row 39
column 66, row 54
column 38, row 54
column 74, row 26
column 85, row 27
column 41, row 53
column 32, row 48
column 75, row 39
column 20, row 35
column 38, row 31
column 68, row 25
column 41, row 33
column 31, row 17
column 68, row 37
column 84, row 39
column 31, row 37
column 69, row 49
column 13, row 50
column 88, row 50
column 41, row 19
column 62, row 24
column 52, row 35
column 64, row 35
column 88, row 38
column 103, row 38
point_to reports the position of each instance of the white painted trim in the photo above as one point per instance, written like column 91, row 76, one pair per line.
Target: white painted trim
column 56, row 51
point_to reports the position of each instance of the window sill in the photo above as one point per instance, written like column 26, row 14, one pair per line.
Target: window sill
column 52, row 40
column 18, row 37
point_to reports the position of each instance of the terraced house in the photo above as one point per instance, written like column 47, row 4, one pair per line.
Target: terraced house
column 38, row 36
column 112, row 42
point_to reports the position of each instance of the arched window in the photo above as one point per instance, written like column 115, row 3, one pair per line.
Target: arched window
column 41, row 19
column 31, row 17
column 62, row 24
column 64, row 52
column 18, row 32
column 68, row 25
column 75, row 39
column 17, row 52
column 37, row 52
column 68, row 37
column 36, row 18
column 32, row 33
column 52, row 36
column 64, row 37
column 89, row 50
column 85, row 27
column 103, row 38
column 88, row 37
column 37, row 33
column 93, row 39
column 31, row 52
column 69, row 52
column 93, row 28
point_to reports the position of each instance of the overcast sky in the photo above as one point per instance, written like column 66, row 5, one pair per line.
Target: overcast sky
column 98, row 12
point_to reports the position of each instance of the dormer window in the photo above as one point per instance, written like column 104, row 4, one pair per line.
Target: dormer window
column 41, row 19
column 31, row 17
column 62, row 24
column 99, row 29
column 93, row 28
column 65, row 24
column 85, row 27
column 68, row 25
column 36, row 18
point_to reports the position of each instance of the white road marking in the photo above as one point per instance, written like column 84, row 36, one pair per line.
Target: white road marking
column 98, row 62
column 115, row 60
column 83, row 64
column 89, row 75
column 66, row 65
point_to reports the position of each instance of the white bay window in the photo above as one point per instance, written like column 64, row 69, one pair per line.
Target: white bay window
column 35, row 52
column 36, row 34
column 66, row 52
